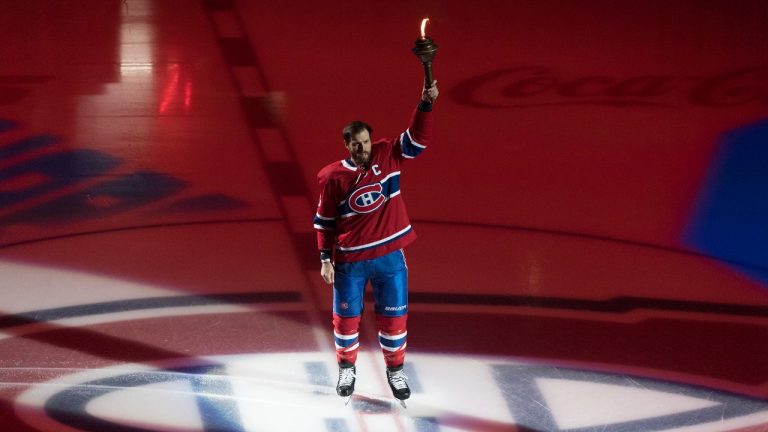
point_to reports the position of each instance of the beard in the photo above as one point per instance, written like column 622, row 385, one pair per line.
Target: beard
column 361, row 158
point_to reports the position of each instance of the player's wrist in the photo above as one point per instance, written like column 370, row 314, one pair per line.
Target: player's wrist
column 325, row 256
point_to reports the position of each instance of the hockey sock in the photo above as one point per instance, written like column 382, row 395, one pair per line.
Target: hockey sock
column 346, row 336
column 392, row 338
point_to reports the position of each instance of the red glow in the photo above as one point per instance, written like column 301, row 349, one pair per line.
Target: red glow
column 187, row 95
column 170, row 88
column 177, row 90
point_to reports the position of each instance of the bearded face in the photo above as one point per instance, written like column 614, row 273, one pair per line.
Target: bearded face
column 360, row 148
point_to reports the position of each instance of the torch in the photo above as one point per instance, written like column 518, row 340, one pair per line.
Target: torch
column 425, row 50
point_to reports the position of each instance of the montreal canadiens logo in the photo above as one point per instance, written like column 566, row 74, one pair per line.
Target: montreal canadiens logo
column 367, row 198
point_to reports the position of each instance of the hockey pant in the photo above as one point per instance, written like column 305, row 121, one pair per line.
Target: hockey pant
column 388, row 275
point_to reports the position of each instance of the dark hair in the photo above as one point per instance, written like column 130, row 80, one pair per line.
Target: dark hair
column 355, row 128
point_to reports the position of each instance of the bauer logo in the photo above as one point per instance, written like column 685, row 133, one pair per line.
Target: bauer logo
column 367, row 198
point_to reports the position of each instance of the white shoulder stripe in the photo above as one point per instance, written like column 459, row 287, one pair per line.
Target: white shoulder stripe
column 317, row 215
column 348, row 166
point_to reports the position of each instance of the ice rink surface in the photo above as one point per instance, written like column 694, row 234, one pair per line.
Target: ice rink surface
column 592, row 251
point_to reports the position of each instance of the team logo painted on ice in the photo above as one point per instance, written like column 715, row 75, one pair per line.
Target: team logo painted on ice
column 367, row 199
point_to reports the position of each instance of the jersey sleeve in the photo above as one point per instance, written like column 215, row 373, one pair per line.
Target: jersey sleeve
column 325, row 217
column 417, row 137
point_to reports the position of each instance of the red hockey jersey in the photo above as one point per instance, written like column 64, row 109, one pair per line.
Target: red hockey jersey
column 361, row 214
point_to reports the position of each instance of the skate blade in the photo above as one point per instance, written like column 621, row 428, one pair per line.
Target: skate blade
column 347, row 399
column 403, row 403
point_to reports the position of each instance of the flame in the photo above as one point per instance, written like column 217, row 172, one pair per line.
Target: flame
column 424, row 27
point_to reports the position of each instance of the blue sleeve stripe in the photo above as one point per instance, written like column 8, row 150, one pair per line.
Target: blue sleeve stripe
column 323, row 223
column 410, row 148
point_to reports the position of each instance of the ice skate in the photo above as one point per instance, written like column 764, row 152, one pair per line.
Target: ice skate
column 346, row 385
column 399, row 385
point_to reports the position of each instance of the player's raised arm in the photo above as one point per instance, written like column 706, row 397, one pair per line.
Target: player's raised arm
column 419, row 134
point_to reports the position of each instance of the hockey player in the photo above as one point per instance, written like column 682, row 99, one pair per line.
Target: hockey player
column 362, row 227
